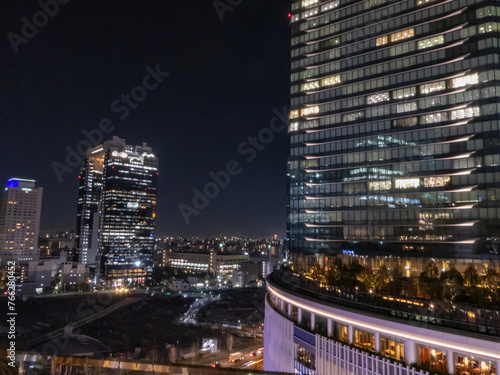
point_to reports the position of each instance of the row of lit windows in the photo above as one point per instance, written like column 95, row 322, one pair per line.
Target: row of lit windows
column 370, row 58
column 415, row 199
column 407, row 106
column 435, row 132
column 395, row 37
column 314, row 11
column 394, row 51
column 365, row 26
column 399, row 79
column 325, row 82
column 433, row 358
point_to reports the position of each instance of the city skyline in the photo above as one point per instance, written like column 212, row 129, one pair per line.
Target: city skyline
column 90, row 81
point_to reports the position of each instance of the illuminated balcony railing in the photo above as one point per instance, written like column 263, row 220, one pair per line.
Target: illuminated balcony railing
column 466, row 318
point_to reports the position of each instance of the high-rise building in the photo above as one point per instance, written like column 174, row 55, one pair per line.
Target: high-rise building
column 394, row 150
column 394, row 127
column 20, row 210
column 127, row 229
column 116, row 211
column 89, row 198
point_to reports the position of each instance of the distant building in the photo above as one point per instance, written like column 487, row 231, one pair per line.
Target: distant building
column 116, row 211
column 178, row 285
column 127, row 228
column 219, row 264
column 20, row 209
column 42, row 272
column 89, row 201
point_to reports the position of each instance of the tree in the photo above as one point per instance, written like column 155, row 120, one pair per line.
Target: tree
column 491, row 279
column 317, row 273
column 431, row 271
column 452, row 283
column 368, row 279
column 429, row 283
column 396, row 283
column 471, row 277
column 381, row 279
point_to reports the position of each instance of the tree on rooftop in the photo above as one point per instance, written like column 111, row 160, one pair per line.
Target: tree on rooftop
column 381, row 278
column 452, row 284
column 471, row 277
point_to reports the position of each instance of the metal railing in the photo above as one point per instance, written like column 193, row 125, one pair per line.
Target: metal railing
column 477, row 320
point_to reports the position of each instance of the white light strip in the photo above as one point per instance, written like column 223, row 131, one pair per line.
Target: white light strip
column 467, row 224
column 465, row 242
column 371, row 327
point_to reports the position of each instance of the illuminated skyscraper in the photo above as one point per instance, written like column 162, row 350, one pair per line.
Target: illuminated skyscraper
column 394, row 127
column 116, row 211
column 89, row 198
column 127, row 227
column 20, row 210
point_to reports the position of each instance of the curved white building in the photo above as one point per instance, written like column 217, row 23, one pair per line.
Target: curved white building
column 320, row 332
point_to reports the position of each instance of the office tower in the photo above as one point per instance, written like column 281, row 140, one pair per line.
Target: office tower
column 20, row 210
column 127, row 227
column 394, row 127
column 89, row 198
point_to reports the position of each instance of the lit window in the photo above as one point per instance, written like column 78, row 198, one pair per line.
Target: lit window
column 421, row 2
column 380, row 185
column 465, row 113
column 431, row 87
column 407, row 107
column 431, row 42
column 392, row 348
column 310, row 86
column 310, row 111
column 436, row 181
column 373, row 3
column 471, row 79
column 407, row 183
column 353, row 116
column 328, row 81
column 294, row 126
column 294, row 114
column 381, row 41
column 433, row 118
column 488, row 27
column 409, row 33
column 378, row 97
column 365, row 340
column 404, row 93
column 306, row 3
column 330, row 5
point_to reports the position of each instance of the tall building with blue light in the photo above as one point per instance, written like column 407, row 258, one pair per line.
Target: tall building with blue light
column 20, row 209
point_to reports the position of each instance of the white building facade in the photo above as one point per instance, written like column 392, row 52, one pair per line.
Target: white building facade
column 306, row 335
column 20, row 210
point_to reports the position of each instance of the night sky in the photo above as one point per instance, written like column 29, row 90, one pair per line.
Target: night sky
column 225, row 78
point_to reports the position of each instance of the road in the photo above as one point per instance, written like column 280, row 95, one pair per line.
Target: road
column 190, row 315
column 223, row 358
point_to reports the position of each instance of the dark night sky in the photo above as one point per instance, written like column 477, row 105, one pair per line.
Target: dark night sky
column 225, row 79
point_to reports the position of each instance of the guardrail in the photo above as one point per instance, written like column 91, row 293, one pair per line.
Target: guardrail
column 440, row 314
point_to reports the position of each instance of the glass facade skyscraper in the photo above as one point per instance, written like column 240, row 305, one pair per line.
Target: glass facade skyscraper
column 394, row 127
column 89, row 198
column 117, row 210
column 127, row 233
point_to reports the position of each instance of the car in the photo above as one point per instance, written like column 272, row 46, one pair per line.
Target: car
column 216, row 365
column 253, row 354
column 260, row 350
